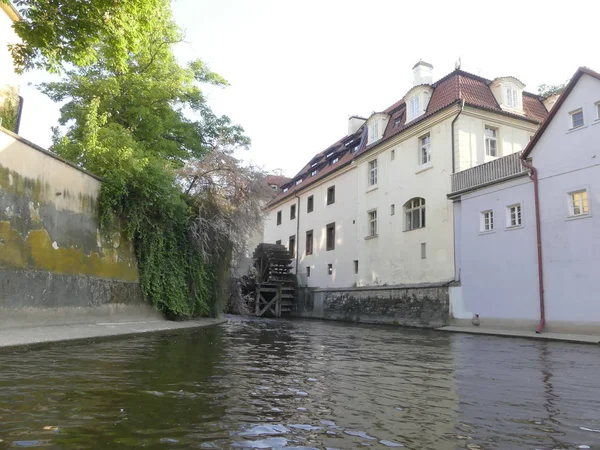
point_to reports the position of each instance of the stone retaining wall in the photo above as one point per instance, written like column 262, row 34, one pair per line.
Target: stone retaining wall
column 423, row 306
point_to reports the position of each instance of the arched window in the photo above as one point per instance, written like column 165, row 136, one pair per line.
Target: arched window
column 414, row 212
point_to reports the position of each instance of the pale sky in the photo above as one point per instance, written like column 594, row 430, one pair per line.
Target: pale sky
column 299, row 69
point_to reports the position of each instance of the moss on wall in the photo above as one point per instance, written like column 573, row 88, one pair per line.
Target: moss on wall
column 27, row 244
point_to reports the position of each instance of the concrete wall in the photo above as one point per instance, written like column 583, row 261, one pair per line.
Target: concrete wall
column 52, row 254
column 424, row 306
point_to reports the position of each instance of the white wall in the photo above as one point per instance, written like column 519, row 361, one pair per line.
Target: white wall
column 513, row 136
column 567, row 161
column 7, row 36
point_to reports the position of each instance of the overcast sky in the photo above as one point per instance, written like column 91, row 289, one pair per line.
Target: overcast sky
column 299, row 69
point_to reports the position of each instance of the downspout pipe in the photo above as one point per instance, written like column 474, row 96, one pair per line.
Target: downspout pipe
column 19, row 114
column 297, row 230
column 538, row 230
column 462, row 107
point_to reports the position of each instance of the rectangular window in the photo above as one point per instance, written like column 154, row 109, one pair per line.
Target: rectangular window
column 298, row 181
column 392, row 210
column 578, row 203
column 331, row 195
column 491, row 142
column 329, row 269
column 577, row 118
column 423, row 250
column 334, row 160
column 308, row 271
column 373, row 172
column 512, row 97
column 278, row 217
column 330, row 237
column 310, row 204
column 487, row 221
column 278, row 242
column 313, row 173
column 374, row 132
column 356, row 266
column 425, row 149
column 372, row 223
column 309, row 242
column 292, row 212
column 514, row 216
column 292, row 246
column 393, row 155
column 414, row 106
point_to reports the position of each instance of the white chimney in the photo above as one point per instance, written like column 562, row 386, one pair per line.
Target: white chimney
column 354, row 123
column 422, row 73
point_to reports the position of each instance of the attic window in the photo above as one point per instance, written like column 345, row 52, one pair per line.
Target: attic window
column 397, row 121
column 298, row 181
column 313, row 173
column 285, row 189
column 329, row 154
column 334, row 160
column 414, row 106
column 356, row 148
column 314, row 164
column 512, row 97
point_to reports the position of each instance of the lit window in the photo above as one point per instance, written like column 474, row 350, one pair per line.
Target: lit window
column 373, row 172
column 393, row 155
column 278, row 217
column 514, row 216
column 577, row 118
column 414, row 106
column 578, row 203
column 330, row 237
column 414, row 211
column 491, row 142
column 512, row 97
column 374, row 131
column 392, row 210
column 487, row 221
column 423, row 250
column 372, row 223
column 425, row 149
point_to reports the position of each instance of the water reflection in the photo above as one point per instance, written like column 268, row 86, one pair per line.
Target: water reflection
column 280, row 384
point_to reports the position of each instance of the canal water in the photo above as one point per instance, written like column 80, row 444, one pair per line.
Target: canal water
column 303, row 385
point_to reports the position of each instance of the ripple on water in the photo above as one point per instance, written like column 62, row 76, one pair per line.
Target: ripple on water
column 265, row 430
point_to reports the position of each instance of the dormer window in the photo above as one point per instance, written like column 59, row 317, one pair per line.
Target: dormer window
column 334, row 160
column 313, row 173
column 417, row 100
column 376, row 126
column 512, row 97
column 508, row 92
column 285, row 189
column 313, row 164
column 329, row 154
column 374, row 132
column 298, row 181
column 414, row 103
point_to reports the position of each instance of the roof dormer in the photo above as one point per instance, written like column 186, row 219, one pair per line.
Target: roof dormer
column 376, row 125
column 417, row 100
column 508, row 92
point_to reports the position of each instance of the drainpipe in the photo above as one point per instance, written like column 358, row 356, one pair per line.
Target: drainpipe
column 536, row 192
column 19, row 114
column 297, row 231
column 462, row 106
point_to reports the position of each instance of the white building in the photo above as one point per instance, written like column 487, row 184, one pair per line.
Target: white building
column 372, row 209
column 496, row 225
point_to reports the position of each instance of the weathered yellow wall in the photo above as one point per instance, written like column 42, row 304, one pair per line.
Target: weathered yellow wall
column 48, row 217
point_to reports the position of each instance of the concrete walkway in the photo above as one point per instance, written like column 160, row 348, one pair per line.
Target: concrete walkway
column 545, row 336
column 30, row 337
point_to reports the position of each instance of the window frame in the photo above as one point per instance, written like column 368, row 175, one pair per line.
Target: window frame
column 310, row 204
column 572, row 119
column 423, row 250
column 393, row 154
column 293, row 212
column 597, row 105
column 372, row 173
column 584, row 204
column 279, row 217
column 518, row 216
column 372, row 223
column 329, row 246
column 393, row 209
column 309, row 240
column 307, row 271
column 410, row 208
column 425, row 146
column 374, row 131
column 331, row 198
column 488, row 139
column 486, row 221
column 329, row 269
column 415, row 106
column 292, row 248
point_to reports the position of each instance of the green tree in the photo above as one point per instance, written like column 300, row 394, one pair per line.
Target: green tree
column 545, row 90
column 137, row 126
column 80, row 32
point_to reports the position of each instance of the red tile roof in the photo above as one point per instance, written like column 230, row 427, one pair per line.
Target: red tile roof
column 565, row 93
column 277, row 180
column 452, row 89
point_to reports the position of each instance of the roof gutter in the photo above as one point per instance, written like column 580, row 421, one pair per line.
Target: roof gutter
column 538, row 230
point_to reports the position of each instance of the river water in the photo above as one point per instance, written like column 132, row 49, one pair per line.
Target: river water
column 303, row 385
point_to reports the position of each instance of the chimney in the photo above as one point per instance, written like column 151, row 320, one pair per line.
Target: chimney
column 354, row 123
column 422, row 73
column 550, row 101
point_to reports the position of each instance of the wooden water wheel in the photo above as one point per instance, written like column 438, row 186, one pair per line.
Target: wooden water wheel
column 275, row 283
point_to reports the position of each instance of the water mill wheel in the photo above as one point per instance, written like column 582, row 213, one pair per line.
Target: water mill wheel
column 275, row 282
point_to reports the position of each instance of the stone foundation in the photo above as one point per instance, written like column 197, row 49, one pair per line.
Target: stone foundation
column 422, row 306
